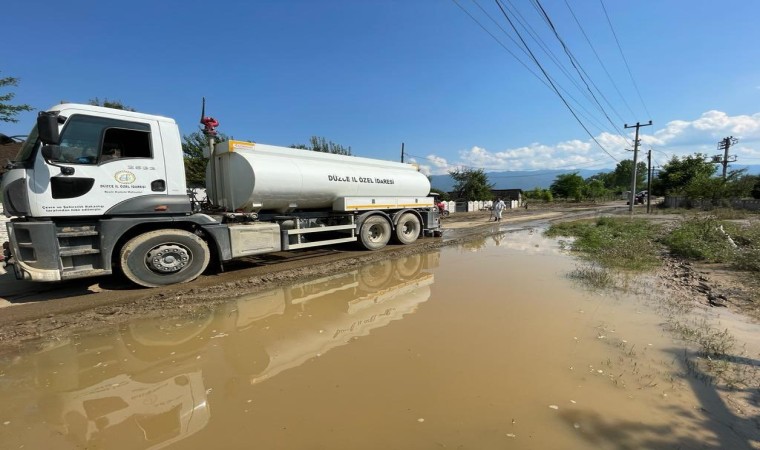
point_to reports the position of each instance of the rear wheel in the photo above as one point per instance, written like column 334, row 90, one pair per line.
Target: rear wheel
column 409, row 267
column 377, row 275
column 375, row 233
column 408, row 228
column 163, row 257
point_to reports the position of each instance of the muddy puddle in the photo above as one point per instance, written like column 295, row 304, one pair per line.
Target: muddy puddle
column 486, row 345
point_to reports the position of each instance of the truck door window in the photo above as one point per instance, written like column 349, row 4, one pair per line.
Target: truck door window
column 120, row 143
column 90, row 140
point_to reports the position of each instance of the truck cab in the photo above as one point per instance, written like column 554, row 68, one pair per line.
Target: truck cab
column 82, row 162
column 105, row 161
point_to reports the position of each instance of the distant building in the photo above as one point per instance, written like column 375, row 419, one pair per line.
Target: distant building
column 508, row 194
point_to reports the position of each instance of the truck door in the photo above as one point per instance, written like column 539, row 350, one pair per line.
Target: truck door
column 114, row 159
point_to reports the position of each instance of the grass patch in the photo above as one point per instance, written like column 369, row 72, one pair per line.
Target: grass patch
column 613, row 242
column 699, row 239
column 711, row 341
column 593, row 276
column 747, row 255
column 711, row 240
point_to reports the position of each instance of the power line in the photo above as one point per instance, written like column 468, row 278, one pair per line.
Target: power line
column 588, row 116
column 500, row 43
column 498, row 3
column 573, row 61
column 598, row 58
column 545, row 48
column 630, row 74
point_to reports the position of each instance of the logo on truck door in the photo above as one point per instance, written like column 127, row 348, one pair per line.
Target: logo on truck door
column 125, row 177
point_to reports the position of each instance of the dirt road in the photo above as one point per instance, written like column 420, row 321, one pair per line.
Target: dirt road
column 33, row 310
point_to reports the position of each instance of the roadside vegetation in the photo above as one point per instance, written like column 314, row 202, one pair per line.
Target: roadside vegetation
column 636, row 244
column 614, row 245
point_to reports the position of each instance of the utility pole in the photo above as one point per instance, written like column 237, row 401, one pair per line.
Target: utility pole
column 632, row 195
column 724, row 145
column 402, row 152
column 649, row 178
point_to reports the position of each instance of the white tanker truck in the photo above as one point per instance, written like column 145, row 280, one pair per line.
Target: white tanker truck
column 94, row 189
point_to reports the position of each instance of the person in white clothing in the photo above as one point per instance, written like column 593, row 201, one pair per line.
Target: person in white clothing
column 498, row 207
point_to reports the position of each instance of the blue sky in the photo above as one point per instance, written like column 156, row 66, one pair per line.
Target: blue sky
column 372, row 74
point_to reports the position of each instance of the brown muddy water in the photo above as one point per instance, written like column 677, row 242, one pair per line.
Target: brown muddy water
column 484, row 346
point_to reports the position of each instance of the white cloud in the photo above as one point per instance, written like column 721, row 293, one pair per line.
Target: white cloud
column 677, row 137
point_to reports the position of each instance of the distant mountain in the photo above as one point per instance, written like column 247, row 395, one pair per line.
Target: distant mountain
column 529, row 179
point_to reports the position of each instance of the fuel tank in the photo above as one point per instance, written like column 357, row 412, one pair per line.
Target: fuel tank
column 257, row 177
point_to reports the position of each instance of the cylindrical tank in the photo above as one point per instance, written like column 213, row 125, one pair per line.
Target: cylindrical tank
column 257, row 177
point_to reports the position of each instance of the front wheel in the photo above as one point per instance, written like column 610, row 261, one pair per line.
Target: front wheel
column 163, row 257
column 375, row 233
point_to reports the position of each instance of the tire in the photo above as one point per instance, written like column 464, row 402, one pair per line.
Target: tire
column 163, row 257
column 407, row 229
column 375, row 233
column 445, row 213
column 408, row 267
column 376, row 275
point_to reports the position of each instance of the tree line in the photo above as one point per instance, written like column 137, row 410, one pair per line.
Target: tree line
column 691, row 176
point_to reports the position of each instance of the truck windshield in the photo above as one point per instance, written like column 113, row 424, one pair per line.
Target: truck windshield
column 27, row 150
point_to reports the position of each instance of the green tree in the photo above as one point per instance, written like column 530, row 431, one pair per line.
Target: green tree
column 739, row 184
column 538, row 193
column 115, row 104
column 678, row 173
column 471, row 184
column 594, row 189
column 193, row 145
column 619, row 180
column 756, row 189
column 8, row 111
column 569, row 185
column 440, row 194
column 320, row 144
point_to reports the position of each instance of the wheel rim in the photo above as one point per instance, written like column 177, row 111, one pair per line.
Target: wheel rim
column 168, row 258
column 375, row 233
column 409, row 228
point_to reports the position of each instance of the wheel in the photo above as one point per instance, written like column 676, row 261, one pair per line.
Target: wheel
column 375, row 233
column 445, row 213
column 375, row 276
column 163, row 257
column 407, row 229
column 408, row 267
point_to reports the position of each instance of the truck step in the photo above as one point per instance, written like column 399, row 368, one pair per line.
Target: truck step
column 79, row 250
column 61, row 234
column 68, row 274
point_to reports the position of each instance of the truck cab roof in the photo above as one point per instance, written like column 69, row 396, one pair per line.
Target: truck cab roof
column 98, row 110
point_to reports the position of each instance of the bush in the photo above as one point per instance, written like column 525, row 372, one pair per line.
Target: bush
column 700, row 239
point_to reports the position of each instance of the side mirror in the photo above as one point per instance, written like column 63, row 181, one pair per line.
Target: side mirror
column 47, row 128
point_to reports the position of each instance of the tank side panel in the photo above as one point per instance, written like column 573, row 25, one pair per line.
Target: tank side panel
column 290, row 178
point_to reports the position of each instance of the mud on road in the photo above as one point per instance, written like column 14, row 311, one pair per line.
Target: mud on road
column 47, row 311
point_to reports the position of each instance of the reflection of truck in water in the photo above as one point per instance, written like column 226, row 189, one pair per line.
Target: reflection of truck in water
column 95, row 189
column 147, row 384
